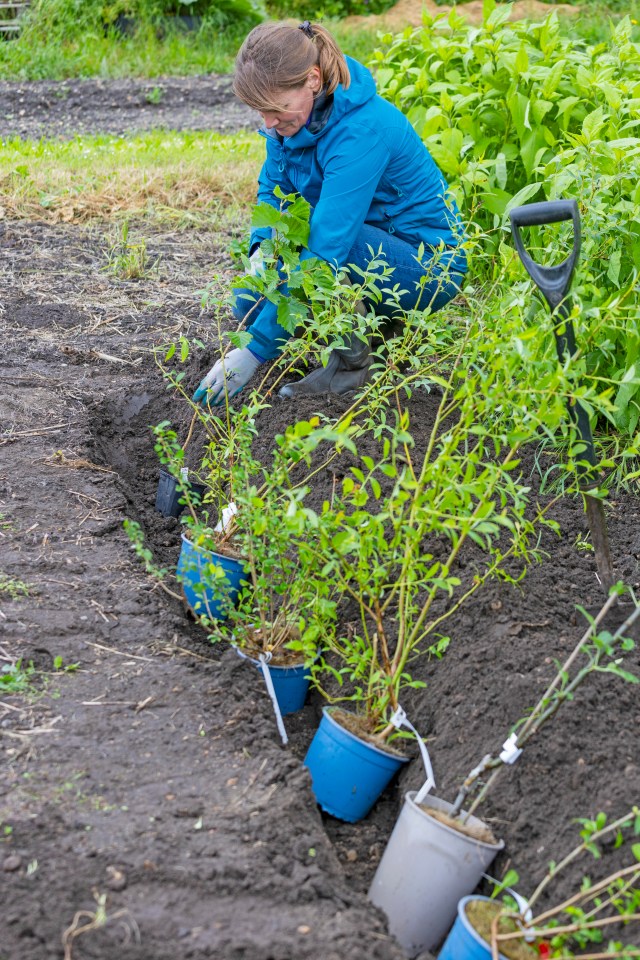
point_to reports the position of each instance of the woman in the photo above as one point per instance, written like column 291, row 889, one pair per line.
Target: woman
column 369, row 179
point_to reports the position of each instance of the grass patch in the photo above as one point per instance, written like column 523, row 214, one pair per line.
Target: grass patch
column 38, row 56
column 12, row 588
column 55, row 44
column 159, row 175
column 16, row 677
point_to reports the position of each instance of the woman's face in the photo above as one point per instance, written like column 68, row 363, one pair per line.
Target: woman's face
column 297, row 105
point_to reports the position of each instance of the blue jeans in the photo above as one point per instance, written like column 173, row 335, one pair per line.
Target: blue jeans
column 444, row 271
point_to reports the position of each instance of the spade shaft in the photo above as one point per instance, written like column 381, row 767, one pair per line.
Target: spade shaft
column 554, row 283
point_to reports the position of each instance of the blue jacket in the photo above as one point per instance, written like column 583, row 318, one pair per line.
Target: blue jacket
column 366, row 164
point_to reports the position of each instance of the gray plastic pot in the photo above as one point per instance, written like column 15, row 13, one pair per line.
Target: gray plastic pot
column 426, row 869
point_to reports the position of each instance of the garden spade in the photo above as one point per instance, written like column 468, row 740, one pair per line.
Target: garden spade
column 554, row 283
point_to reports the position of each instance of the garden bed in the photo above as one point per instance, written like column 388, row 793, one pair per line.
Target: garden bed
column 66, row 108
column 153, row 773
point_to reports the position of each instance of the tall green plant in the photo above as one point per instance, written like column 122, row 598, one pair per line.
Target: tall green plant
column 402, row 522
column 520, row 111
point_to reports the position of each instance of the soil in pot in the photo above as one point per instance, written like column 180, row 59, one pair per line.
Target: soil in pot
column 480, row 914
column 483, row 833
column 357, row 726
column 258, row 644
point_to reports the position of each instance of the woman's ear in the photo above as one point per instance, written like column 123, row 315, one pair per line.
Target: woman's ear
column 315, row 80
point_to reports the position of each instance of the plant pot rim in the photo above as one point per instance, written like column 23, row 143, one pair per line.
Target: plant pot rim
column 167, row 473
column 474, row 841
column 272, row 666
column 462, row 913
column 326, row 711
column 213, row 553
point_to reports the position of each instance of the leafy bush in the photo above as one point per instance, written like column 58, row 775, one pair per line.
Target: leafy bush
column 71, row 18
column 519, row 111
column 219, row 10
column 328, row 8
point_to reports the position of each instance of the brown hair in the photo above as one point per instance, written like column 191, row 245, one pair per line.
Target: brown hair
column 279, row 56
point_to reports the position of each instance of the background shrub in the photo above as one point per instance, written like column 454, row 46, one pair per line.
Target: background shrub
column 321, row 9
column 516, row 112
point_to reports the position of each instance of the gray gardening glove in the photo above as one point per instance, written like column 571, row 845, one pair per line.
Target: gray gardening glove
column 257, row 262
column 230, row 376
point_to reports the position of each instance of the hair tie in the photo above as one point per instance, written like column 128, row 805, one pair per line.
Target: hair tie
column 305, row 26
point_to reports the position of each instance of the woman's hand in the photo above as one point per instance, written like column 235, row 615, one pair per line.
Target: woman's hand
column 229, row 376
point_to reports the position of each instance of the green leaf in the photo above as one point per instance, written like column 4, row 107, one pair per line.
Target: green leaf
column 240, row 339
column 522, row 197
column 264, row 215
column 553, row 79
column 488, row 6
column 593, row 124
column 522, row 60
column 613, row 272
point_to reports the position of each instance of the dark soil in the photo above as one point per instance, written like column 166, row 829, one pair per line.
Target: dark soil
column 153, row 773
column 69, row 107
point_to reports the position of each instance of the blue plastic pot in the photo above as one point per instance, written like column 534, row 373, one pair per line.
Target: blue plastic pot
column 348, row 773
column 210, row 581
column 290, row 684
column 463, row 942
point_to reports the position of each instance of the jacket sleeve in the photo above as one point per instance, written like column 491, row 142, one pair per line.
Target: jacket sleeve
column 270, row 177
column 352, row 171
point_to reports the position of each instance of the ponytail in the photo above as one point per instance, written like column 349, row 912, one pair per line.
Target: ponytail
column 278, row 56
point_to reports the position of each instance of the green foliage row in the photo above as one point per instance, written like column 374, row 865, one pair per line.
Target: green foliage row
column 73, row 38
column 66, row 18
column 514, row 112
column 321, row 9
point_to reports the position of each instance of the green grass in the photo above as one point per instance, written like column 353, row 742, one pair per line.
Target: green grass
column 31, row 57
column 593, row 23
column 17, row 678
column 164, row 176
column 55, row 51
column 210, row 50
column 11, row 587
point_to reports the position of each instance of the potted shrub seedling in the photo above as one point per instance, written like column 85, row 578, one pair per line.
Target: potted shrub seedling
column 298, row 288
column 284, row 620
column 487, row 929
column 401, row 523
column 438, row 852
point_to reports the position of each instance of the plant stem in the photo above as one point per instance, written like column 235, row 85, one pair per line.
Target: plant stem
column 540, row 712
column 596, row 888
column 570, row 928
column 565, row 667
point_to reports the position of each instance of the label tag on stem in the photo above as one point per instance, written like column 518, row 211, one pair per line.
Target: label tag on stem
column 510, row 750
column 399, row 719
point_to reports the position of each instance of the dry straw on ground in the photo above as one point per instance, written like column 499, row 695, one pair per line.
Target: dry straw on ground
column 124, row 192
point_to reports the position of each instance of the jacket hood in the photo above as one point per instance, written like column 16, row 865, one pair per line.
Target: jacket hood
column 361, row 89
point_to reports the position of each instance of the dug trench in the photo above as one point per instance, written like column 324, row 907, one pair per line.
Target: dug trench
column 152, row 773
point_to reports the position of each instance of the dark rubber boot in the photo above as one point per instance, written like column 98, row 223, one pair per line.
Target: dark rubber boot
column 347, row 369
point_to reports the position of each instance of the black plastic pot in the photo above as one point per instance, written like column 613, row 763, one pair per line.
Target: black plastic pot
column 169, row 495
